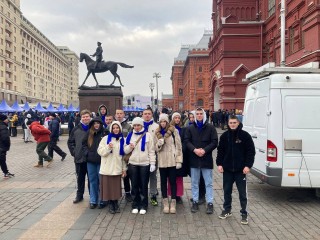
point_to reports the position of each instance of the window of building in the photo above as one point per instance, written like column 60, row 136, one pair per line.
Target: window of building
column 200, row 68
column 291, row 40
column 200, row 84
column 180, row 92
column 271, row 7
column 302, row 40
column 200, row 103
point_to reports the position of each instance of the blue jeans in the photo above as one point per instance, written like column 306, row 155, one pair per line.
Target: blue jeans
column 93, row 175
column 195, row 180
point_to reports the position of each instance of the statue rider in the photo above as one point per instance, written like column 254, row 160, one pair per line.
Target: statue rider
column 98, row 55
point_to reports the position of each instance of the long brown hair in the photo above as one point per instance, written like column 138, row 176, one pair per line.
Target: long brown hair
column 91, row 134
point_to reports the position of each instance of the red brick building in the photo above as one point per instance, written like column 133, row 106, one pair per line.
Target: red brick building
column 246, row 35
column 191, row 76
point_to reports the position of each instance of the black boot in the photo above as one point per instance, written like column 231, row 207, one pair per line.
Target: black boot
column 116, row 206
column 111, row 207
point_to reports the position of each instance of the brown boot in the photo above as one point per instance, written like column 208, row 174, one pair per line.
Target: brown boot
column 173, row 206
column 38, row 165
column 165, row 203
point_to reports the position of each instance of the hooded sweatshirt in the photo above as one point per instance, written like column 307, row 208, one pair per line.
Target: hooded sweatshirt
column 236, row 150
column 103, row 117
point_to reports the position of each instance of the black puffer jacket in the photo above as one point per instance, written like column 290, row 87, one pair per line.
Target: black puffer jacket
column 206, row 138
column 75, row 143
column 236, row 150
column 4, row 137
column 91, row 153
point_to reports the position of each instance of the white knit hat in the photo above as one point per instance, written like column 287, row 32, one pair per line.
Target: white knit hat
column 164, row 117
column 137, row 121
column 176, row 114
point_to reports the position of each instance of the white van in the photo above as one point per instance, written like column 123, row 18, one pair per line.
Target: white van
column 282, row 114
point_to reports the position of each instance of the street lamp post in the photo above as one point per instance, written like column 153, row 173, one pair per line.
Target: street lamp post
column 151, row 86
column 157, row 75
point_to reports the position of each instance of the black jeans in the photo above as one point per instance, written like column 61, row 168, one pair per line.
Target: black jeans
column 241, row 181
column 3, row 163
column 81, row 170
column 54, row 147
column 170, row 173
column 139, row 176
column 126, row 183
column 14, row 131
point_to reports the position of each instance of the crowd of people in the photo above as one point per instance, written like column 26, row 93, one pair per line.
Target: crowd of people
column 108, row 149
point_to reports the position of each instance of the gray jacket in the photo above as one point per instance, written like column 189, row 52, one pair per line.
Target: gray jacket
column 126, row 128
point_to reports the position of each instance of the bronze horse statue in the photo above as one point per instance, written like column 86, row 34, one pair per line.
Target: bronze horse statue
column 102, row 67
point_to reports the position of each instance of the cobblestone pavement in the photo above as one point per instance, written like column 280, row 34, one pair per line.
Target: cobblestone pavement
column 37, row 204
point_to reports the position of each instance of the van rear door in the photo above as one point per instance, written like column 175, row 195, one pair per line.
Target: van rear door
column 256, row 121
column 301, row 121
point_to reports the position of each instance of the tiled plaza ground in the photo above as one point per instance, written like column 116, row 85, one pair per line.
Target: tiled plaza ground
column 37, row 204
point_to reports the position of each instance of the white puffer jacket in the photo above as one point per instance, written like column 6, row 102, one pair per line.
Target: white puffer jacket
column 112, row 162
column 138, row 157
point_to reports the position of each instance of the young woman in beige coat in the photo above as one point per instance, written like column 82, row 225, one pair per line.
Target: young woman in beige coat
column 113, row 167
column 169, row 151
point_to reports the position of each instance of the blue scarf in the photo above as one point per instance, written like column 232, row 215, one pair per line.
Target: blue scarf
column 85, row 127
column 117, row 136
column 147, row 124
column 190, row 123
column 103, row 118
column 143, row 144
column 178, row 128
column 163, row 132
column 200, row 125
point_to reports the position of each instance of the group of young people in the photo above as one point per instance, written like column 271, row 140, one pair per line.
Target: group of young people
column 117, row 150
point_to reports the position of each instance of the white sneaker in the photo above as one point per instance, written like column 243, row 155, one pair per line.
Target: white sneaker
column 134, row 211
column 142, row 211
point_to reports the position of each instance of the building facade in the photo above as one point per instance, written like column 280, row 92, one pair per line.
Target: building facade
column 32, row 68
column 190, row 76
column 246, row 35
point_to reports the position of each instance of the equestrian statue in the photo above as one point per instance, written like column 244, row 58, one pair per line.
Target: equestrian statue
column 100, row 66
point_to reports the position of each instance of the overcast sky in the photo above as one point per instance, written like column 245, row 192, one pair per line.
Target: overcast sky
column 145, row 33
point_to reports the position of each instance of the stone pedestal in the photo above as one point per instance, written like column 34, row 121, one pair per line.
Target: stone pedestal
column 91, row 97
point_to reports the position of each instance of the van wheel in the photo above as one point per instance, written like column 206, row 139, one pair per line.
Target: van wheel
column 318, row 192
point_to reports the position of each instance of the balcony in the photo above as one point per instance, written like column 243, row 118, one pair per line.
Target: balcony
column 8, row 79
column 9, row 49
column 9, row 27
column 9, row 69
column 9, row 38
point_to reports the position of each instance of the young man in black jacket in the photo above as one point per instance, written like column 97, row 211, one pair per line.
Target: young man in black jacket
column 76, row 150
column 235, row 157
column 201, row 139
column 54, row 127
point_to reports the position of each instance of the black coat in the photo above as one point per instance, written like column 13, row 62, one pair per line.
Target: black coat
column 206, row 138
column 4, row 137
column 236, row 150
column 91, row 152
column 185, row 169
column 75, row 143
column 54, row 127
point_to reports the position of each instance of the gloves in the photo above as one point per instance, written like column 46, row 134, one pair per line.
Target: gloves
column 160, row 141
column 152, row 168
column 178, row 165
